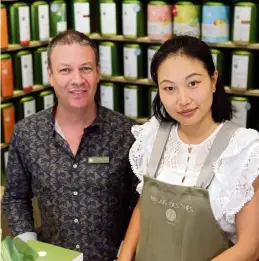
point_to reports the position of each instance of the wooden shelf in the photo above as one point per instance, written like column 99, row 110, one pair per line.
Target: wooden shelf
column 141, row 120
column 254, row 93
column 4, row 146
column 146, row 82
column 18, row 94
column 18, row 47
column 121, row 38
column 121, row 79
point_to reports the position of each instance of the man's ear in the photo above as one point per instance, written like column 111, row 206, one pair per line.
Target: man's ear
column 98, row 70
column 50, row 75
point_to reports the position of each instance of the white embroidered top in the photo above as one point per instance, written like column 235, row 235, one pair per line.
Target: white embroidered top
column 235, row 170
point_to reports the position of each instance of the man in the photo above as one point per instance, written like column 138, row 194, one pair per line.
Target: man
column 74, row 159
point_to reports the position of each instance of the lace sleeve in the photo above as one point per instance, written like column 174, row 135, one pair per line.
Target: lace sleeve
column 141, row 148
column 235, row 173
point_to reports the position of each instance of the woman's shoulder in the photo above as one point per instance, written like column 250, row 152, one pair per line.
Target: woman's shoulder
column 151, row 126
column 242, row 140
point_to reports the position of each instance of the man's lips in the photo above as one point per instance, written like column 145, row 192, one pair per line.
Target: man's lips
column 77, row 91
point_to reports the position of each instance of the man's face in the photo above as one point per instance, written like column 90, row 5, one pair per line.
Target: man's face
column 74, row 75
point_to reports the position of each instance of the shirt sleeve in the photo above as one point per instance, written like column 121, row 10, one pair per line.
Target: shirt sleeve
column 235, row 173
column 141, row 149
column 17, row 197
column 28, row 236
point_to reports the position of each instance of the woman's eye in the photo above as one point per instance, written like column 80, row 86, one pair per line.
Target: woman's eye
column 193, row 84
column 169, row 88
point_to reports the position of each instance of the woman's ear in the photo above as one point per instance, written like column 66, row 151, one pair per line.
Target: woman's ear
column 214, row 80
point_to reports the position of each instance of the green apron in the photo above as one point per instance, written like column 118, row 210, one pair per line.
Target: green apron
column 176, row 222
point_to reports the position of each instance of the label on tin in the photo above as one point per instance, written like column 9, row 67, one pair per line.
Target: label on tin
column 130, row 62
column 215, row 59
column 43, row 18
column 215, row 25
column 187, row 20
column 150, row 54
column 240, row 116
column 44, row 68
column 160, row 23
column 107, row 95
column 240, row 67
column 242, row 23
column 105, row 60
column 6, row 153
column 108, row 18
column 27, row 73
column 48, row 101
column 29, row 108
column 130, row 19
column 82, row 17
column 61, row 26
column 130, row 102
column 153, row 95
column 24, row 23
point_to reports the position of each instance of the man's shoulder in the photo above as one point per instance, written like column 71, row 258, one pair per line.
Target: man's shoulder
column 38, row 120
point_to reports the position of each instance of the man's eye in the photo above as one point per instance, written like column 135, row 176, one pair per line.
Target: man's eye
column 86, row 69
column 65, row 70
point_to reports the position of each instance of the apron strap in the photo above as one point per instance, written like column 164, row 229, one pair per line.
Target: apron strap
column 219, row 145
column 158, row 148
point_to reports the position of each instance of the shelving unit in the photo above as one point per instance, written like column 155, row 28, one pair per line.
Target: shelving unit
column 18, row 94
column 146, row 40
column 18, row 47
column 146, row 82
column 97, row 37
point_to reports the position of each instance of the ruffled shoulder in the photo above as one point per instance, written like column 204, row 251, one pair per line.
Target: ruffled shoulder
column 235, row 171
column 141, row 149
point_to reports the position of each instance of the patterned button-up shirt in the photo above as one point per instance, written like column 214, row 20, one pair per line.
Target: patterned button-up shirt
column 84, row 206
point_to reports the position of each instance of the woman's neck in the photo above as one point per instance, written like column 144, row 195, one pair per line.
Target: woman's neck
column 195, row 134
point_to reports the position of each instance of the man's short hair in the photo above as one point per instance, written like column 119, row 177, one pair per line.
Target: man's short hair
column 71, row 37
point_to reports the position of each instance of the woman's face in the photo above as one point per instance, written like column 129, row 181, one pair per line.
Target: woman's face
column 186, row 89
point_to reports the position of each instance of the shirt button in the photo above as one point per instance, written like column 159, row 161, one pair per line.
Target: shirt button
column 77, row 246
column 75, row 166
column 75, row 193
column 76, row 220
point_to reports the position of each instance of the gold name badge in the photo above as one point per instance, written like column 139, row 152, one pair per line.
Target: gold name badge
column 95, row 160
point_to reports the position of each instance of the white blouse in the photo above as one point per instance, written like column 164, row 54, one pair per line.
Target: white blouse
column 235, row 170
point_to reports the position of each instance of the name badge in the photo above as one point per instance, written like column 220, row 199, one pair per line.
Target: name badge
column 95, row 160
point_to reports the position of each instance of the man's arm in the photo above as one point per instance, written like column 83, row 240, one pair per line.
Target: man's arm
column 16, row 202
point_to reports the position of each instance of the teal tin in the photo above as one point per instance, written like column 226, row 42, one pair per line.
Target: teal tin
column 111, row 96
column 133, row 19
column 40, row 22
column 40, row 61
column 58, row 17
column 215, row 22
column 133, row 62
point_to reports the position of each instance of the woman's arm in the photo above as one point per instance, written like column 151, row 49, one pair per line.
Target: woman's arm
column 132, row 236
column 247, row 227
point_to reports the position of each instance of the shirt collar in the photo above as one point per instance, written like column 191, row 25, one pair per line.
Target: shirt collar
column 97, row 123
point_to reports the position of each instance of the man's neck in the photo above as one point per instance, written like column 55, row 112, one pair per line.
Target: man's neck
column 197, row 133
column 78, row 118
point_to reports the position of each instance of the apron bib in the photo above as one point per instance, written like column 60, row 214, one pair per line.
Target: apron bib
column 177, row 222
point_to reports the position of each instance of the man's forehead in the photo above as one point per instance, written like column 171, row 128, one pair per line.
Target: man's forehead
column 86, row 53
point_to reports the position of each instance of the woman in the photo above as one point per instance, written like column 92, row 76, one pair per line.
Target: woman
column 198, row 172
